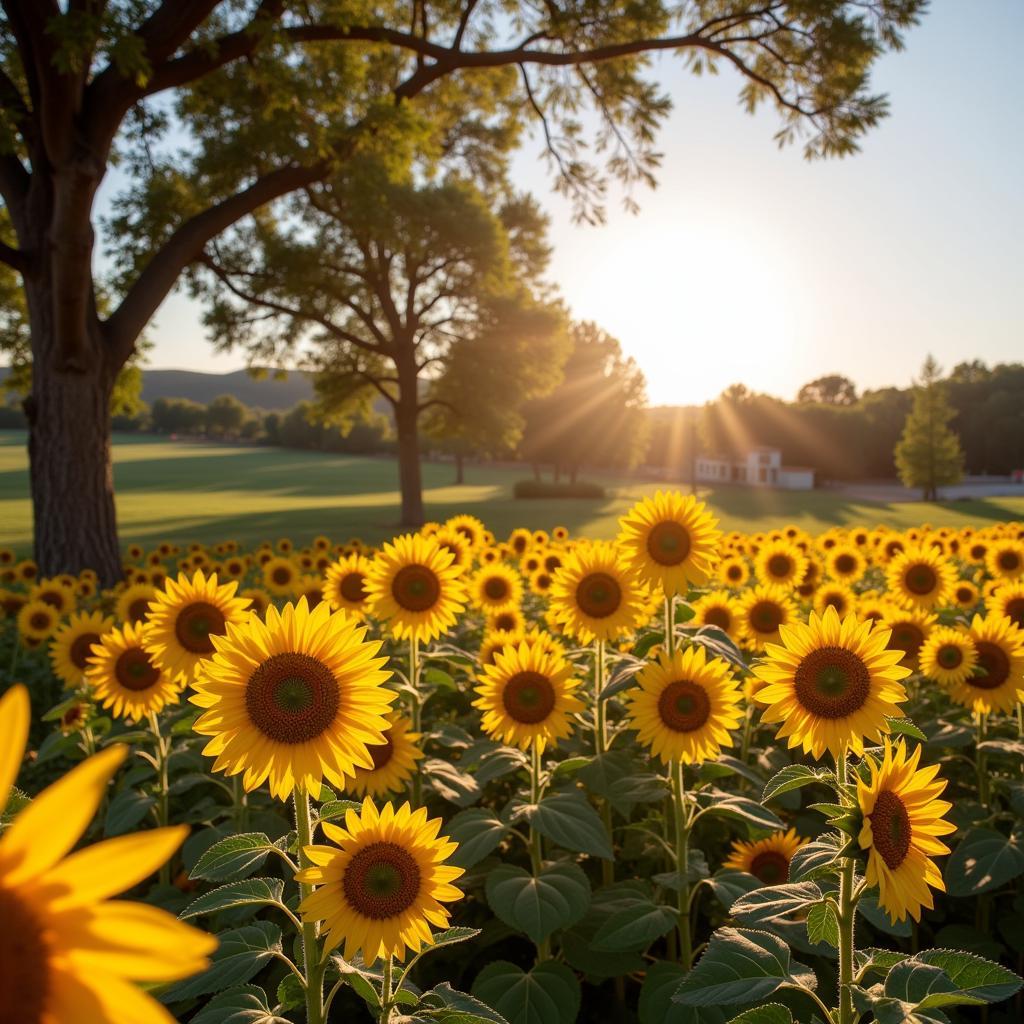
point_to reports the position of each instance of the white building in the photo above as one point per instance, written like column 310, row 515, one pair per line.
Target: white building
column 762, row 467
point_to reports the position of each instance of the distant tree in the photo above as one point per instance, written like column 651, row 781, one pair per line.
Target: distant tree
column 596, row 416
column 928, row 454
column 225, row 416
column 833, row 389
column 973, row 372
column 178, row 416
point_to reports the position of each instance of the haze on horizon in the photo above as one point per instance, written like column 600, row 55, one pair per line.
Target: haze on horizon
column 749, row 264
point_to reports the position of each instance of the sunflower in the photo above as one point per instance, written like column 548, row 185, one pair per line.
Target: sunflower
column 495, row 587
column 966, row 596
column 37, row 621
column 921, row 577
column 670, row 539
column 846, row 562
column 67, row 952
column 910, row 628
column 835, row 595
column 903, row 819
column 294, row 699
column 280, row 575
column 594, row 595
column 259, row 600
column 520, row 540
column 526, row 695
column 383, row 885
column 185, row 617
column 72, row 645
column 496, row 641
column 508, row 620
column 126, row 678
column 733, row 571
column 456, row 545
column 766, row 859
column 719, row 608
column 684, row 706
column 560, row 534
column 781, row 563
column 59, row 594
column 1005, row 558
column 948, row 656
column 133, row 602
column 311, row 587
column 394, row 761
column 999, row 672
column 1007, row 601
column 831, row 684
column 541, row 582
column 470, row 527
column 345, row 583
column 26, row 570
column 762, row 611
column 415, row 585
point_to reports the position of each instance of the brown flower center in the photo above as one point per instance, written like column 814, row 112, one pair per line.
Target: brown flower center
column 496, row 588
column 81, row 650
column 416, row 588
column 134, row 670
column 54, row 598
column 837, row 600
column 766, row 617
column 718, row 616
column 890, row 829
column 684, row 706
column 25, row 980
column 668, row 543
column 1008, row 561
column 734, row 573
column 832, row 682
column 352, row 587
column 964, row 595
column 39, row 620
column 994, row 662
column 920, row 579
column 195, row 623
column 528, row 697
column 780, row 566
column 845, row 564
column 292, row 698
column 138, row 609
column 381, row 881
column 281, row 575
column 907, row 637
column 950, row 656
column 1014, row 609
column 770, row 867
column 381, row 753
column 598, row 595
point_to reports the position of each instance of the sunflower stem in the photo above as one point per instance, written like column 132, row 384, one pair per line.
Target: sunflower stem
column 239, row 804
column 416, row 712
column 847, row 914
column 386, row 997
column 600, row 748
column 670, row 625
column 682, row 863
column 536, row 854
column 312, row 967
column 980, row 758
column 163, row 791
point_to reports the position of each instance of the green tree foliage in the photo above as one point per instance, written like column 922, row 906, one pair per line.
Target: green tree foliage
column 833, row 389
column 225, row 416
column 596, row 416
column 928, row 454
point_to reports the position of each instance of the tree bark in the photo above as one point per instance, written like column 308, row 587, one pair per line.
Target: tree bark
column 407, row 414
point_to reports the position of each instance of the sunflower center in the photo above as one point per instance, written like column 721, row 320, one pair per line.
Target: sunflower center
column 292, row 698
column 921, row 579
column 138, row 609
column 496, row 588
column 25, row 981
column 766, row 617
column 734, row 572
column 770, row 867
column 195, row 623
column 836, row 600
column 598, row 595
column 39, row 620
column 1008, row 560
column 719, row 617
column 992, row 658
column 668, row 543
column 53, row 599
column 832, row 682
column 890, row 829
column 352, row 589
column 415, row 588
column 964, row 595
column 134, row 670
column 505, row 623
column 684, row 706
column 381, row 881
column 81, row 649
column 845, row 564
column 780, row 566
column 907, row 637
column 528, row 697
column 1014, row 609
column 950, row 656
column 281, row 575
column 381, row 753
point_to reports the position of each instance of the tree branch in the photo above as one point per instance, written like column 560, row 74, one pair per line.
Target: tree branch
column 13, row 258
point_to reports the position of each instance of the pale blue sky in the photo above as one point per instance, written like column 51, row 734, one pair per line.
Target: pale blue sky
column 750, row 264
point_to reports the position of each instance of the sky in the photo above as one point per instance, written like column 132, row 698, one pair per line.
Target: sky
column 749, row 264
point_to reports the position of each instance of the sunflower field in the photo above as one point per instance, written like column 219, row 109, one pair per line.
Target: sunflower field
column 681, row 777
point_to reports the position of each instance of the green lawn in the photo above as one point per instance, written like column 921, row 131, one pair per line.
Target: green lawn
column 210, row 492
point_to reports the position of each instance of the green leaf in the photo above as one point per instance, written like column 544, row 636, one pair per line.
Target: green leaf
column 246, row 1004
column 740, row 965
column 449, row 782
column 984, row 981
column 438, row 678
column 743, row 808
column 633, row 928
column 547, row 994
column 729, row 885
column 905, row 727
column 234, row 857
column 450, row 1006
column 260, row 891
column 775, row 901
column 332, row 810
column 823, row 925
column 622, row 679
column 500, row 762
column 478, row 832
column 557, row 898
column 881, row 960
column 770, row 1013
column 816, row 859
column 656, row 1005
column 570, row 766
column 879, row 918
column 241, row 955
column 126, row 810
column 569, row 821
column 982, row 861
column 793, row 776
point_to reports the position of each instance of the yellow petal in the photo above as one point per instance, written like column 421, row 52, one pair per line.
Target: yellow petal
column 14, row 715
column 102, row 998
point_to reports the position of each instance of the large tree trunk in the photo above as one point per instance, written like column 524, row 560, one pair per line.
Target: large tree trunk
column 410, row 481
column 69, row 450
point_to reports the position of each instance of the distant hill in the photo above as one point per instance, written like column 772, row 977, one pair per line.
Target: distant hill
column 267, row 393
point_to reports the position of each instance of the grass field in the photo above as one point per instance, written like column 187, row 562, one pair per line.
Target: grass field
column 184, row 491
